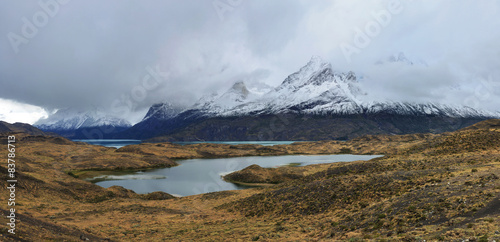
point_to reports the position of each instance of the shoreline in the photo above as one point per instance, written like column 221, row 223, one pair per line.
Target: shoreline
column 94, row 173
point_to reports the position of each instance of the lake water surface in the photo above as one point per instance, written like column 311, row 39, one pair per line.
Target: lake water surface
column 198, row 176
column 118, row 143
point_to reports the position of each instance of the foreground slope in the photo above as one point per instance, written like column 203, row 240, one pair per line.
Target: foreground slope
column 427, row 186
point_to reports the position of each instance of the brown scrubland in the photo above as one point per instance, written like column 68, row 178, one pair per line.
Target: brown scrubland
column 433, row 187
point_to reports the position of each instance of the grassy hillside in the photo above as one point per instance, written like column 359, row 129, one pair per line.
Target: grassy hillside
column 427, row 186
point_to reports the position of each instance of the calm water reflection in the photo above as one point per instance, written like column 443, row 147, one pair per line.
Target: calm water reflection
column 204, row 175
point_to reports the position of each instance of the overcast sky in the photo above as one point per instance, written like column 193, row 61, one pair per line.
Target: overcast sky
column 124, row 56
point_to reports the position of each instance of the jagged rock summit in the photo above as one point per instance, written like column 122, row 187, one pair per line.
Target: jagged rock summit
column 400, row 58
column 162, row 111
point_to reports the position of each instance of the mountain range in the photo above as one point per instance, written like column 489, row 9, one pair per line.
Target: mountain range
column 314, row 103
column 83, row 124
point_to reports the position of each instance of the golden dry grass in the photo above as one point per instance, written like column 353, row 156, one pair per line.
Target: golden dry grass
column 432, row 187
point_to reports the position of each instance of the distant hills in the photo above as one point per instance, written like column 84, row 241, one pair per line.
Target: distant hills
column 8, row 128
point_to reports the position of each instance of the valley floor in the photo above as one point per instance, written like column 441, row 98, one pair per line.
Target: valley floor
column 426, row 187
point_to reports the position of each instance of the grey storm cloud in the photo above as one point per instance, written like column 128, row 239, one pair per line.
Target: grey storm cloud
column 74, row 53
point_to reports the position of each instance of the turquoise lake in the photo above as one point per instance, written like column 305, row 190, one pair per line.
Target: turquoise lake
column 118, row 143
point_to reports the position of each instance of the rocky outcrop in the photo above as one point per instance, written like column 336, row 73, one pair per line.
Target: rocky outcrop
column 255, row 174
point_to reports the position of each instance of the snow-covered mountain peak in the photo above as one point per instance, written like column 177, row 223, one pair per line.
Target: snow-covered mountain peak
column 353, row 85
column 401, row 58
column 240, row 89
column 315, row 67
column 71, row 119
column 163, row 111
column 259, row 88
column 314, row 88
column 235, row 96
column 317, row 61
